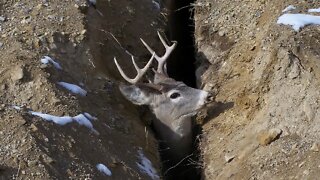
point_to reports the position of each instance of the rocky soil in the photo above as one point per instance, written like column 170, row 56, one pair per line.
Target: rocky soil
column 267, row 76
column 80, row 39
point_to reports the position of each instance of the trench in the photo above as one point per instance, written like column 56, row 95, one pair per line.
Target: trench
column 180, row 28
column 180, row 66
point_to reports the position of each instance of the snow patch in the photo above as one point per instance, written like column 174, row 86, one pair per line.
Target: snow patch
column 156, row 5
column 104, row 169
column 89, row 116
column 47, row 60
column 16, row 107
column 73, row 88
column 56, row 119
column 314, row 10
column 145, row 166
column 298, row 21
column 83, row 119
column 289, row 8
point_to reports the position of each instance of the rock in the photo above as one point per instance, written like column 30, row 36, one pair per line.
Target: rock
column 83, row 32
column 2, row 18
column 47, row 159
column 3, row 87
column 44, row 66
column 301, row 164
column 294, row 146
column 229, row 157
column 81, row 37
column 33, row 127
column 37, row 43
column 21, row 121
column 315, row 147
column 17, row 73
column 2, row 108
column 266, row 137
column 26, row 20
column 221, row 33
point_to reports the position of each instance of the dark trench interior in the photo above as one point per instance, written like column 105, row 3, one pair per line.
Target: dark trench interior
column 181, row 67
column 180, row 28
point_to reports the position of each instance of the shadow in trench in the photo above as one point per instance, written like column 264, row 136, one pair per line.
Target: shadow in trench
column 217, row 109
column 181, row 67
column 187, row 168
column 181, row 63
column 8, row 172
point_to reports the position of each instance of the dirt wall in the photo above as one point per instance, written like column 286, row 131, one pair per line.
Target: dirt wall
column 266, row 126
column 79, row 38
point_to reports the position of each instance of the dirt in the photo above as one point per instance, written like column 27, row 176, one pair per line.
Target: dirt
column 266, row 77
column 80, row 38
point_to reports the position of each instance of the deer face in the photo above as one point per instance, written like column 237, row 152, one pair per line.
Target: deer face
column 170, row 100
column 180, row 102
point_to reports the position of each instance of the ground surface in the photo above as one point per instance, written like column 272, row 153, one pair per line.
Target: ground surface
column 71, row 33
column 266, row 125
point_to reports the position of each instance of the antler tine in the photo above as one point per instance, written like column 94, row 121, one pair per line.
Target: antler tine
column 161, row 60
column 148, row 47
column 169, row 50
column 163, row 41
column 140, row 72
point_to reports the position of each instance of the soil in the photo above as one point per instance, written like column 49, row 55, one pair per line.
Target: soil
column 266, row 126
column 265, row 75
column 80, row 38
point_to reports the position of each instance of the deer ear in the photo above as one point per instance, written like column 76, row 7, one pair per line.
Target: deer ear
column 141, row 94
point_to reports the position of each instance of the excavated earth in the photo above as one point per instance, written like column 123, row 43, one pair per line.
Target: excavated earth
column 266, row 76
column 79, row 38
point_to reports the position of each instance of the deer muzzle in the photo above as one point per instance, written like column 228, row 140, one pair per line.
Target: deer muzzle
column 210, row 98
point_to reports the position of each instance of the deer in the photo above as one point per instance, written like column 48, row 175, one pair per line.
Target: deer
column 172, row 102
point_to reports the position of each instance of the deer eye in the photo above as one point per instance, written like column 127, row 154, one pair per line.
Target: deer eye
column 174, row 95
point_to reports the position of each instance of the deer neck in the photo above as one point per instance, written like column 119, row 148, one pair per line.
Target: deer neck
column 173, row 128
column 177, row 135
column 182, row 126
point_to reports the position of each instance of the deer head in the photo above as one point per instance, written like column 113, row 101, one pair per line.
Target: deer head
column 173, row 102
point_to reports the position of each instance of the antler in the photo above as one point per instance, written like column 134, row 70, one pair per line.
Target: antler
column 140, row 72
column 161, row 60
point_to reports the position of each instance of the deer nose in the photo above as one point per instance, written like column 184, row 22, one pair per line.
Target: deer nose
column 210, row 97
